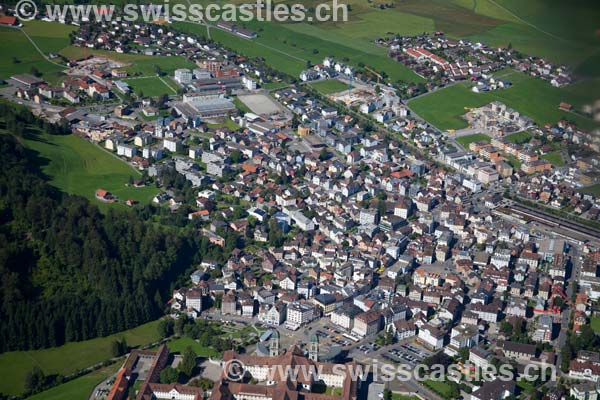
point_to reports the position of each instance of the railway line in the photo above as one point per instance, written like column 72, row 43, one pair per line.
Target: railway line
column 553, row 221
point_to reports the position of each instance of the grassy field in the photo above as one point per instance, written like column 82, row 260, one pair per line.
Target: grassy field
column 593, row 190
column 49, row 36
column 443, row 388
column 274, row 85
column 179, row 345
column 329, row 86
column 562, row 32
column 465, row 141
column 77, row 166
column 555, row 158
column 19, row 56
column 241, row 106
column 79, row 388
column 67, row 359
column 530, row 96
column 445, row 108
column 513, row 161
column 289, row 50
column 595, row 324
column 398, row 396
column 152, row 86
column 519, row 137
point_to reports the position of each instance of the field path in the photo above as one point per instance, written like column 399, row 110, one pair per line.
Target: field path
column 37, row 48
column 537, row 28
column 167, row 85
column 114, row 156
column 279, row 51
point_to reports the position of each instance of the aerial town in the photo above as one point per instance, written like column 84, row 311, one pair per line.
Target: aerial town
column 345, row 228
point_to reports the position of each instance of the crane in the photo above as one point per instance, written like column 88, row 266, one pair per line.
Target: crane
column 350, row 77
column 377, row 74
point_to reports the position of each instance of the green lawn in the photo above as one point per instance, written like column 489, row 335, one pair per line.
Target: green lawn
column 560, row 31
column 79, row 388
column 179, row 345
column 525, row 385
column 555, row 158
column 19, row 56
column 225, row 123
column 465, row 141
column 68, row 358
column 445, row 108
column 241, row 106
column 333, row 391
column 274, row 85
column 77, row 166
column 329, row 86
column 513, row 161
column 398, row 396
column 152, row 86
column 593, row 190
column 519, row 137
column 443, row 388
column 530, row 96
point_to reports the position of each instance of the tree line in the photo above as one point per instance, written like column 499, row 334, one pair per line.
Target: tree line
column 69, row 272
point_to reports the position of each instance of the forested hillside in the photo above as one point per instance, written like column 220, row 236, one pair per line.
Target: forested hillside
column 69, row 272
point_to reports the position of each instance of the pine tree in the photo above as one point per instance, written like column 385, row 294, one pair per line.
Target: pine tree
column 189, row 362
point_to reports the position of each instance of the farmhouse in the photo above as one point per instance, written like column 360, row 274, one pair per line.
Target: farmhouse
column 104, row 195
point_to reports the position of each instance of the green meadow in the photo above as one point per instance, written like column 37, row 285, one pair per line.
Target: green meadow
column 530, row 96
column 329, row 86
column 180, row 344
column 68, row 358
column 77, row 166
column 79, row 388
column 152, row 86
column 465, row 141
column 519, row 137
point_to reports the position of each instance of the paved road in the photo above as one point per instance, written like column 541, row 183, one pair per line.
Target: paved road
column 574, row 252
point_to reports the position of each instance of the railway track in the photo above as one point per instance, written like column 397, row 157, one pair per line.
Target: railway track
column 554, row 221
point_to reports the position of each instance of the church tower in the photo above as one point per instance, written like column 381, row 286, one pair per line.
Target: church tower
column 313, row 351
column 274, row 344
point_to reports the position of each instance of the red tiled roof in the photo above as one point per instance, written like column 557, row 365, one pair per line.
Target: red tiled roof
column 8, row 20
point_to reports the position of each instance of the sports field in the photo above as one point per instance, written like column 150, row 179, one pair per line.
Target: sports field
column 67, row 359
column 152, row 86
column 77, row 166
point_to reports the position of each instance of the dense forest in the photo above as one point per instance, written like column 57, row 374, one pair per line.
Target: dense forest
column 69, row 272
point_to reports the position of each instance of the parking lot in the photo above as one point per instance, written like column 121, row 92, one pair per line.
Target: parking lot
column 406, row 353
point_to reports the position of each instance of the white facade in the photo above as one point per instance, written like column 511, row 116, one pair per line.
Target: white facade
column 300, row 314
column 183, row 76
